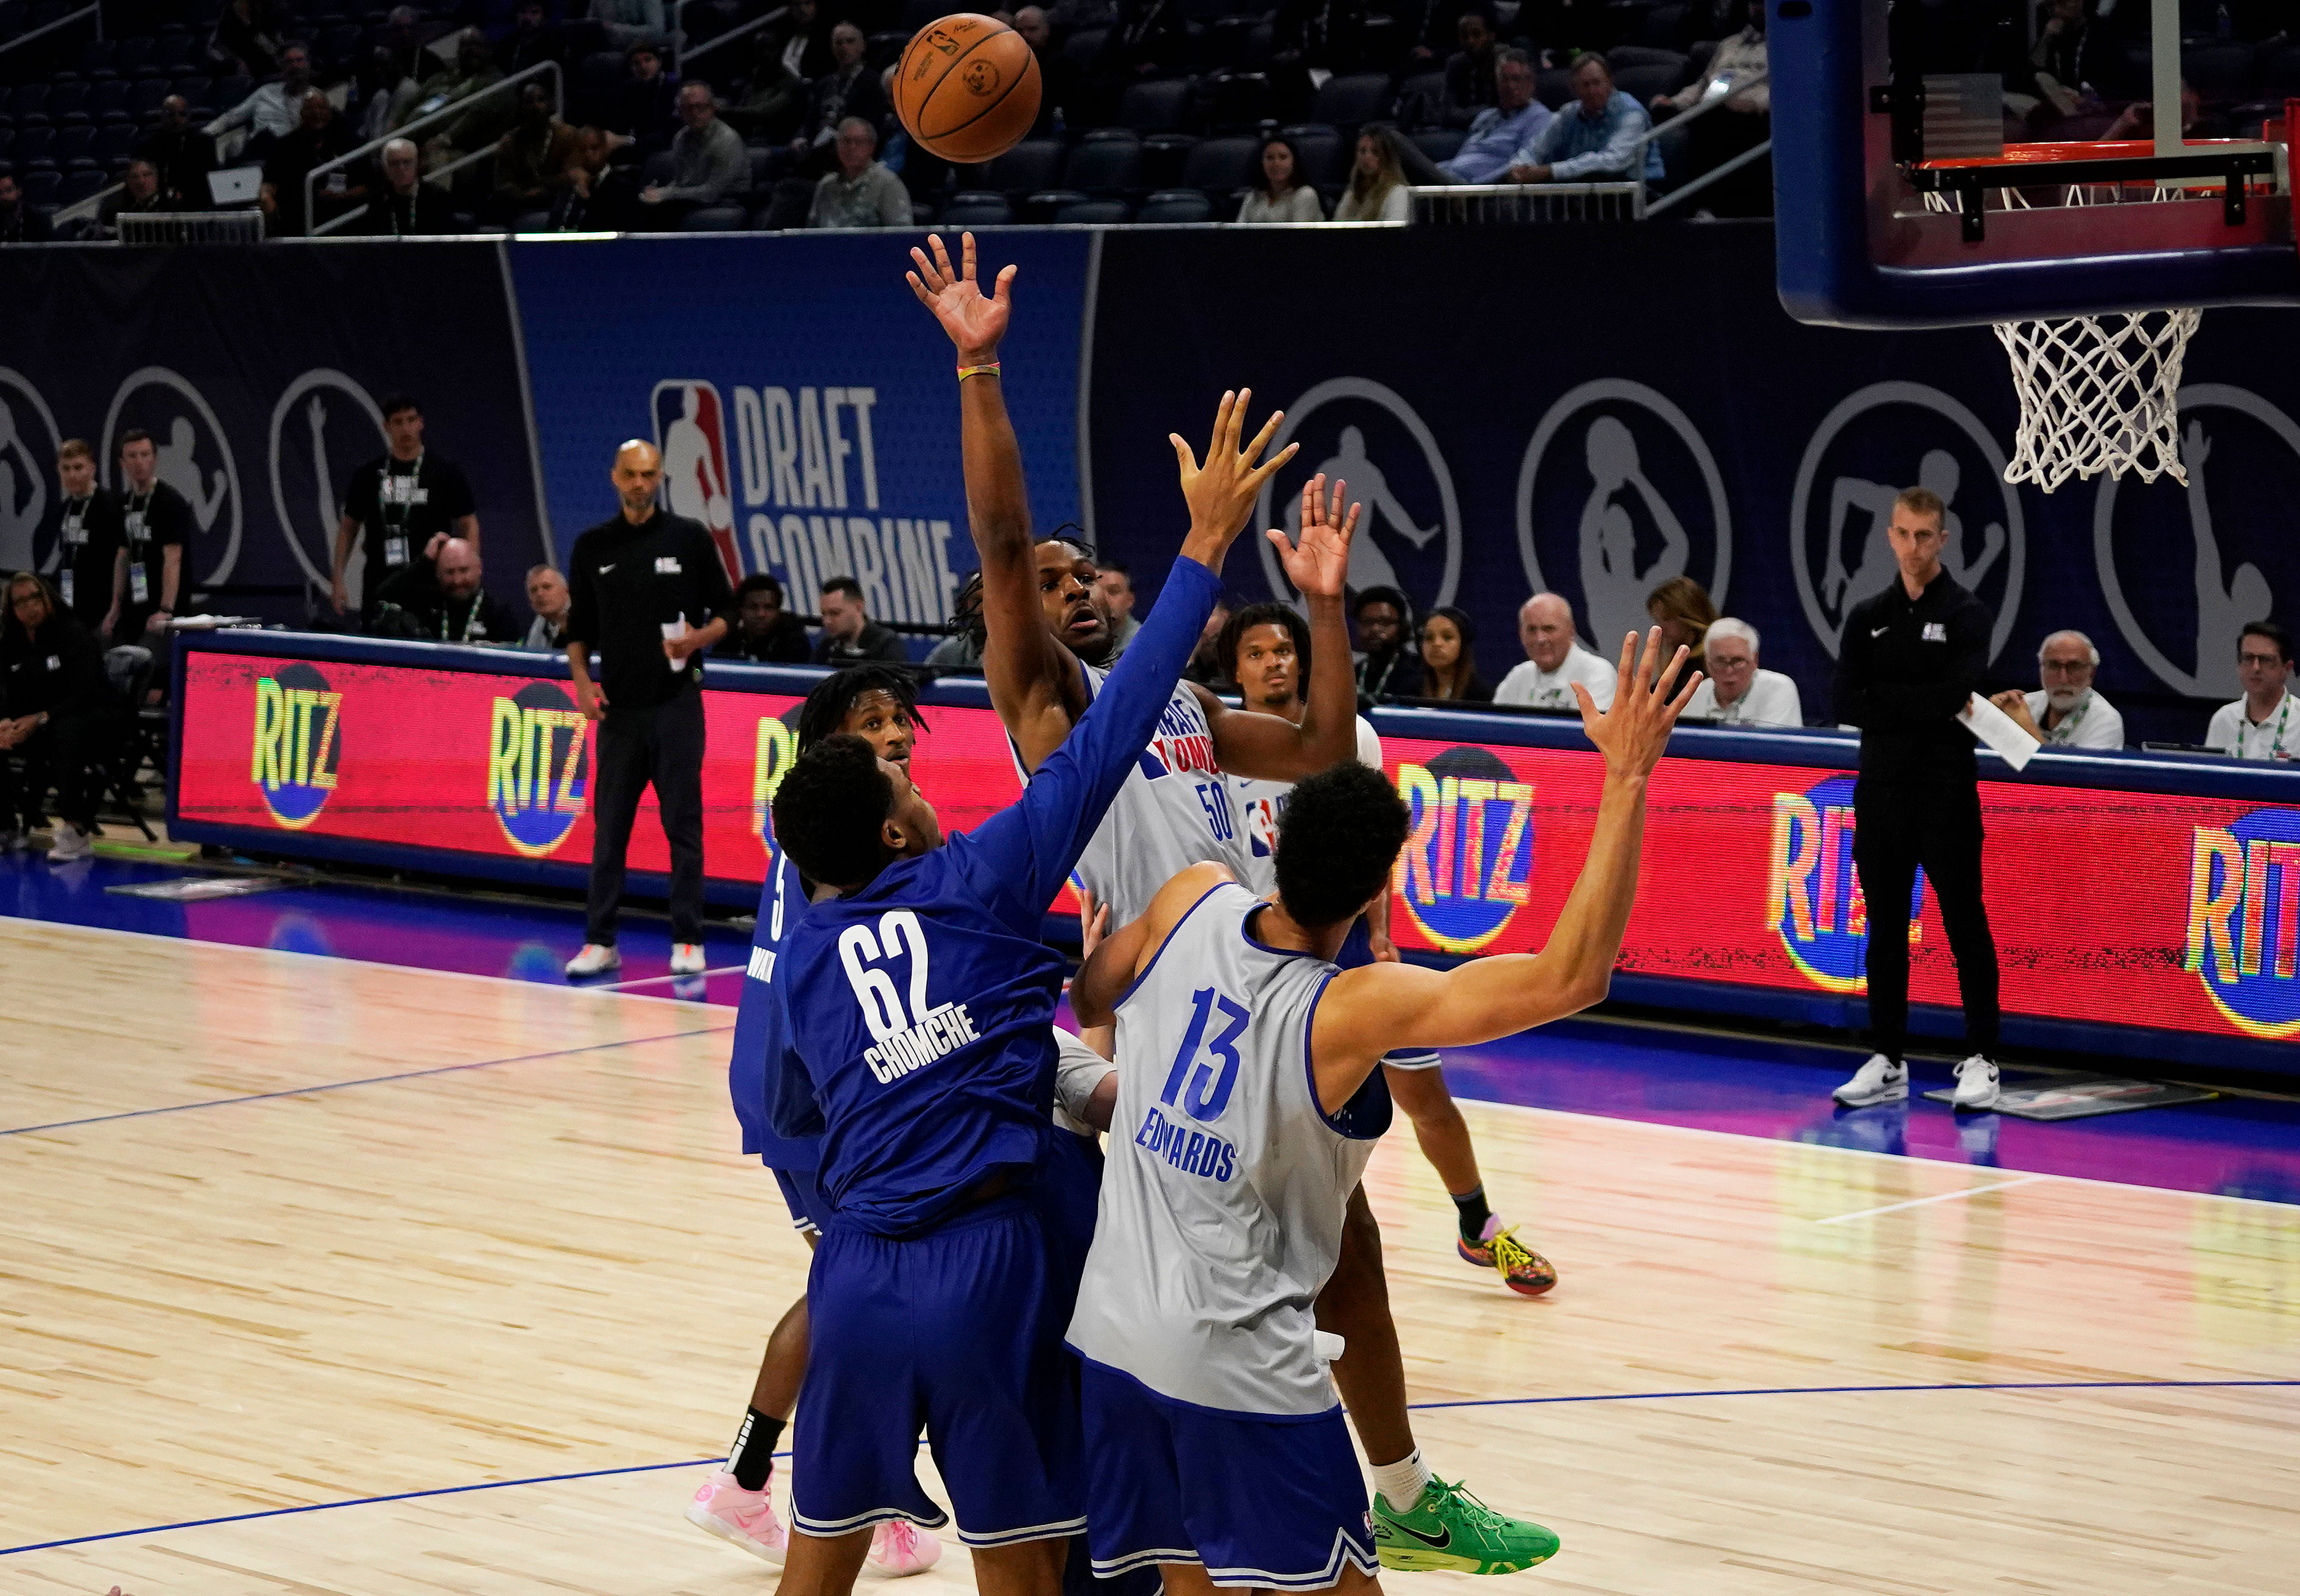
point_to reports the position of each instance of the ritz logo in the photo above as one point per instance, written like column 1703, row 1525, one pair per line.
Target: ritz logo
column 1813, row 899
column 777, row 748
column 1468, row 864
column 538, row 767
column 2244, row 921
column 298, row 746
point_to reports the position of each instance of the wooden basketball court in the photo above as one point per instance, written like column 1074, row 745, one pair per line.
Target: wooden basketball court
column 285, row 1232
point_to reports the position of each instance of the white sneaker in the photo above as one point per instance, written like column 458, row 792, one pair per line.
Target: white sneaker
column 1975, row 1085
column 71, row 843
column 595, row 959
column 1879, row 1081
column 899, row 1547
column 686, row 958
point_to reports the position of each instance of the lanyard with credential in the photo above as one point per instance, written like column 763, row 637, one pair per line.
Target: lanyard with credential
column 2067, row 728
column 2276, row 746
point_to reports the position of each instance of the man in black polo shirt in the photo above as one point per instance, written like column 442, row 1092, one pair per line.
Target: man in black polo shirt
column 648, row 593
column 401, row 506
column 1909, row 660
column 90, row 544
column 157, row 522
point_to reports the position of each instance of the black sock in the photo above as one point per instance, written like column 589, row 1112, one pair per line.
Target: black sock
column 754, row 1457
column 1474, row 1212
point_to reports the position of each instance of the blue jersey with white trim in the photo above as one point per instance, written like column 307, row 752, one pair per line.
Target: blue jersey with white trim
column 756, row 1067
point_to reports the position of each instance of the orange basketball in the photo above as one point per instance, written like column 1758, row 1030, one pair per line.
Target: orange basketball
column 967, row 88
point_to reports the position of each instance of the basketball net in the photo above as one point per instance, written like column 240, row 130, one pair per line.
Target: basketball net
column 2098, row 394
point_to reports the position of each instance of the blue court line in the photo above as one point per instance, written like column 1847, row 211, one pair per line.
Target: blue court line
column 1640, row 1396
column 300, row 1091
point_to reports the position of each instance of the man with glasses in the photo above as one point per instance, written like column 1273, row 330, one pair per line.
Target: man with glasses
column 2262, row 724
column 2065, row 712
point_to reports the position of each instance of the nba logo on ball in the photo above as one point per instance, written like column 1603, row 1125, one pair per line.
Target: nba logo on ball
column 1813, row 892
column 538, row 767
column 777, row 746
column 2244, row 920
column 296, row 743
column 1468, row 863
column 968, row 89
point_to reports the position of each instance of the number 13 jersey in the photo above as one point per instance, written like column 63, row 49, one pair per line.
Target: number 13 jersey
column 1225, row 1183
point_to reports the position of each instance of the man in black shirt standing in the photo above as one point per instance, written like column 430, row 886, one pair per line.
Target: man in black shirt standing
column 91, row 545
column 405, row 506
column 1908, row 663
column 647, row 593
column 157, row 522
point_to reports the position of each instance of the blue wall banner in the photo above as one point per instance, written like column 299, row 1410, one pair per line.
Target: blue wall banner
column 258, row 372
column 1592, row 410
column 801, row 398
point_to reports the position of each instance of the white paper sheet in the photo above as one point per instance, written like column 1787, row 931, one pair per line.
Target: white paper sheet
column 1999, row 733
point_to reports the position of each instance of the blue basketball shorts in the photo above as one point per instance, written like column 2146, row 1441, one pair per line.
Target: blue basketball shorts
column 957, row 1333
column 1258, row 1499
column 809, row 1213
column 1357, row 949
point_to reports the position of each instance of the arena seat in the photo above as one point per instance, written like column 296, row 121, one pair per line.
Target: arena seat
column 1440, row 144
column 1349, row 102
column 715, row 219
column 1172, row 206
column 1029, row 166
column 1102, row 212
column 973, row 208
column 1219, row 168
column 1156, row 107
column 1325, row 158
column 1104, row 163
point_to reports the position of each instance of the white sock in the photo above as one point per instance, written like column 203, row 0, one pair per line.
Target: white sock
column 1401, row 1483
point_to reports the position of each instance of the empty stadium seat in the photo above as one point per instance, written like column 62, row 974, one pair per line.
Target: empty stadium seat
column 107, row 101
column 1081, row 47
column 2220, row 73
column 1097, row 212
column 1554, row 85
column 1325, row 158
column 2279, row 73
column 74, row 147
column 30, row 152
column 1033, row 164
column 132, row 57
column 1350, row 101
column 1164, row 156
column 143, row 97
column 1220, row 167
column 1154, row 107
column 114, row 141
column 1104, row 164
column 1440, row 144
column 1625, row 57
column 29, row 105
column 197, row 90
column 974, row 209
column 715, row 219
column 68, row 105
column 1641, row 83
column 1229, row 102
column 1170, row 206
column 40, row 186
column 1419, row 99
column 229, row 91
column 86, row 183
column 95, row 59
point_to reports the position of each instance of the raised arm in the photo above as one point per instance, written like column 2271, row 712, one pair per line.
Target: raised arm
column 1035, row 682
column 1368, row 1011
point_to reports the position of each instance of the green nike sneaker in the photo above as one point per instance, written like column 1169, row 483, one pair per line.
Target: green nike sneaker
column 1449, row 1528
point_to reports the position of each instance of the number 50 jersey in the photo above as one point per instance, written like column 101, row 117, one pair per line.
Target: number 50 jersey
column 1224, row 1182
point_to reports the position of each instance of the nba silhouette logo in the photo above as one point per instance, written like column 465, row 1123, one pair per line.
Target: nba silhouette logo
column 690, row 429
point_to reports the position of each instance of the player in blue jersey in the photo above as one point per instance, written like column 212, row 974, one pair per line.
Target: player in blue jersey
column 1043, row 642
column 921, row 1000
column 878, row 704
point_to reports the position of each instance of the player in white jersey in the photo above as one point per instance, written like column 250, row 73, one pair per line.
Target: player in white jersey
column 1266, row 648
column 1041, row 630
column 1249, row 1083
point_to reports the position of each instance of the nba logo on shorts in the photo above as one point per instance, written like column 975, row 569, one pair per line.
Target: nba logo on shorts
column 537, row 769
column 2244, row 920
column 296, row 743
column 1813, row 892
column 690, row 429
column 1468, row 864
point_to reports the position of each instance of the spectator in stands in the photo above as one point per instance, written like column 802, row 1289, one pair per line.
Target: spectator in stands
column 182, row 153
column 1378, row 189
column 1310, row 40
column 1684, row 611
column 2069, row 56
column 247, row 39
column 764, row 633
column 157, row 522
column 1069, row 16
column 646, row 109
column 404, row 206
column 1148, row 38
column 774, row 101
column 2065, row 712
column 1113, row 585
column 139, row 194
column 1554, row 659
column 1735, row 692
column 628, row 23
column 401, row 506
column 319, row 139
column 1743, row 123
column 534, row 40
column 368, row 97
column 1449, row 667
column 58, row 708
column 801, row 40
column 2138, row 120
column 442, row 600
column 1593, row 140
column 546, row 595
column 1502, row 129
column 1469, row 81
column 2262, row 724
column 849, row 636
column 1433, row 28
column 532, row 160
column 275, row 111
column 1060, row 88
column 709, row 166
column 961, row 650
column 1387, row 663
column 861, row 193
column 473, row 72
column 402, row 34
column 850, row 88
column 592, row 197
column 1282, row 195
column 19, row 223
column 89, row 539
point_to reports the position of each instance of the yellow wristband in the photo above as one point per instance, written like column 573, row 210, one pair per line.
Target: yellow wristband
column 989, row 371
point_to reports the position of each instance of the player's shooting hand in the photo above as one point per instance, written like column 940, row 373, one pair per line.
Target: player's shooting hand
column 1222, row 492
column 975, row 322
column 1633, row 734
column 1319, row 566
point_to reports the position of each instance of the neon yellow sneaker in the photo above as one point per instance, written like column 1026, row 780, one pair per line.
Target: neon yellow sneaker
column 1448, row 1528
column 1522, row 1269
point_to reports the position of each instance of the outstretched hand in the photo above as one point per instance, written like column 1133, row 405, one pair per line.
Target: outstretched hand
column 1222, row 491
column 976, row 322
column 1632, row 734
column 1319, row 566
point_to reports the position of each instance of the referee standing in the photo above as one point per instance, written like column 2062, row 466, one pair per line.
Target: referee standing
column 648, row 593
column 1909, row 659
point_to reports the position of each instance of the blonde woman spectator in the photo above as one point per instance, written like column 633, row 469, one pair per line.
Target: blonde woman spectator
column 1684, row 611
column 1376, row 191
column 1282, row 195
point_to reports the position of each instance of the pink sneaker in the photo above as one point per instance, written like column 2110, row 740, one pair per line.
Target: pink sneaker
column 743, row 1518
column 898, row 1548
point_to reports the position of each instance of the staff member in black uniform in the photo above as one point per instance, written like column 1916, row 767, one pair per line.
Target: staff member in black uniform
column 647, row 590
column 1909, row 663
column 56, row 705
column 405, row 504
column 91, row 542
column 157, row 522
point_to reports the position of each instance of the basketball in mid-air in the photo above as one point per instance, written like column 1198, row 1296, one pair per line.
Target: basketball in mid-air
column 967, row 88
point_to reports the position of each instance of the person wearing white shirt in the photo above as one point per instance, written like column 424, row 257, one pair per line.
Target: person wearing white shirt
column 2065, row 712
column 2265, row 723
column 1555, row 660
column 1735, row 692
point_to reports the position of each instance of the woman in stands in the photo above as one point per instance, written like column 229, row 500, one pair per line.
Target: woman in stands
column 1377, row 190
column 1683, row 610
column 1283, row 195
column 1448, row 669
column 57, row 707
